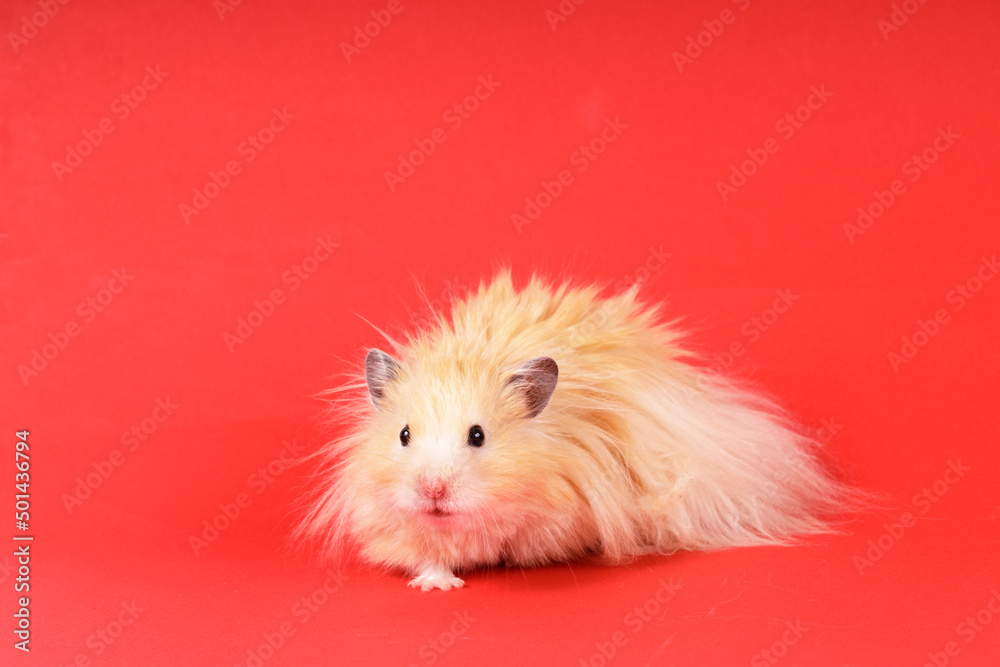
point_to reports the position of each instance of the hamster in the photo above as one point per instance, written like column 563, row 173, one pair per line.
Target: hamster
column 546, row 424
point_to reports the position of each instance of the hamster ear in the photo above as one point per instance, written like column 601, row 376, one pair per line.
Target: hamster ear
column 380, row 370
column 536, row 380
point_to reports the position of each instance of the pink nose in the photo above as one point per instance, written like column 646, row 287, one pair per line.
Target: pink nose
column 434, row 489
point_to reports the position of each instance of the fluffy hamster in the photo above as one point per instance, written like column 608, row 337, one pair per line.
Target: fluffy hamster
column 545, row 424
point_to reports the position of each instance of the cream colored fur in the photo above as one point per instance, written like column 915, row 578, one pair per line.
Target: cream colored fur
column 636, row 452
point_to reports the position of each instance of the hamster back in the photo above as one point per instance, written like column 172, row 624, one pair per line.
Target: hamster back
column 544, row 424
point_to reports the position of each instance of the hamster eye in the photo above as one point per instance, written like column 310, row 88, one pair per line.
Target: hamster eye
column 476, row 436
column 404, row 436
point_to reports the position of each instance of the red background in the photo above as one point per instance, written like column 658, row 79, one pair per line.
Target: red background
column 450, row 224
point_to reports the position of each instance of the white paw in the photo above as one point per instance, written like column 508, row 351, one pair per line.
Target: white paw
column 436, row 577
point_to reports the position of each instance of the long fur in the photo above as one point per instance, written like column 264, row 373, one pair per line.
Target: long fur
column 638, row 451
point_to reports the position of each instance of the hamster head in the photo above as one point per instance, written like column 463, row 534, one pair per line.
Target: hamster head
column 449, row 445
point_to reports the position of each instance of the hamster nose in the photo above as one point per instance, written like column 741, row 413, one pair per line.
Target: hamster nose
column 434, row 489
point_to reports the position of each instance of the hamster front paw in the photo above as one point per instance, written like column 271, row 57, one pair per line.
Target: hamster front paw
column 436, row 576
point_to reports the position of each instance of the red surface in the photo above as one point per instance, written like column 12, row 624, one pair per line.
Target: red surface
column 898, row 430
